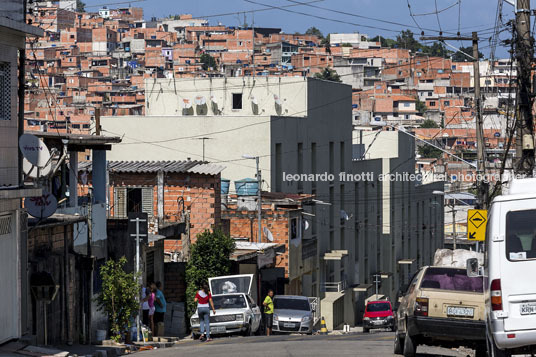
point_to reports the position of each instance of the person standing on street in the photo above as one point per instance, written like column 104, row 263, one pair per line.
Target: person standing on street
column 269, row 312
column 160, row 308
column 203, row 299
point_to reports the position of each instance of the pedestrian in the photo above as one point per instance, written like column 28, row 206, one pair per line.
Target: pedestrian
column 203, row 298
column 269, row 312
column 160, row 308
column 145, row 304
column 150, row 301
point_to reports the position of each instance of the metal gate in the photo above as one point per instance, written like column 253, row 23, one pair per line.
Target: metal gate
column 9, row 276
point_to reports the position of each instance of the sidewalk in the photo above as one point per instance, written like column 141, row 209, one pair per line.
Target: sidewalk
column 107, row 349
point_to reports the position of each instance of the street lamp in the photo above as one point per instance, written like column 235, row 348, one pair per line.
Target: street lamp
column 453, row 210
column 259, row 198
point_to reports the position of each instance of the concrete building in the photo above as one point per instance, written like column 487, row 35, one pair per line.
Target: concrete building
column 13, row 226
column 301, row 129
column 354, row 39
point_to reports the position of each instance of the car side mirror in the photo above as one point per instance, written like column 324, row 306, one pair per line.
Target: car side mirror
column 473, row 268
column 400, row 299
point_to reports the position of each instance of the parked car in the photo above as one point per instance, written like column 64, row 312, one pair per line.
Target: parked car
column 441, row 307
column 509, row 267
column 292, row 314
column 378, row 314
column 236, row 312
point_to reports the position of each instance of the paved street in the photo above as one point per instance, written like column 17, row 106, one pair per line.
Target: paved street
column 374, row 344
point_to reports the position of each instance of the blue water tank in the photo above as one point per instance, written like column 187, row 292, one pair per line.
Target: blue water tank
column 225, row 186
column 247, row 187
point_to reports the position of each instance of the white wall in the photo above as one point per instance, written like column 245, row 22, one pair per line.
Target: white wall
column 166, row 96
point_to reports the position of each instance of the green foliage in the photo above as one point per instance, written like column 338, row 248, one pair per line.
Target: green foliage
column 460, row 57
column 346, row 45
column 385, row 42
column 437, row 50
column 428, row 124
column 208, row 61
column 80, row 6
column 118, row 298
column 428, row 151
column 407, row 40
column 328, row 74
column 325, row 41
column 314, row 31
column 420, row 106
column 209, row 258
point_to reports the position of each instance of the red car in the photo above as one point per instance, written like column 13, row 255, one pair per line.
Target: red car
column 378, row 314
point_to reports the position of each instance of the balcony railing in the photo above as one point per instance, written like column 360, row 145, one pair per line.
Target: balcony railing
column 334, row 287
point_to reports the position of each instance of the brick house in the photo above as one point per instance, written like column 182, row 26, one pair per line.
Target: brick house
column 282, row 222
column 169, row 192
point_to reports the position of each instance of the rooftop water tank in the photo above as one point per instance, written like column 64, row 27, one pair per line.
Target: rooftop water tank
column 225, row 186
column 247, row 187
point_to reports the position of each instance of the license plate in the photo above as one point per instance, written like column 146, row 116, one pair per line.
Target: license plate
column 460, row 311
column 377, row 322
column 218, row 329
column 289, row 325
column 528, row 309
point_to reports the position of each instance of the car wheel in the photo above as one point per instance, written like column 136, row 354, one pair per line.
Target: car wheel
column 398, row 344
column 365, row 330
column 409, row 346
column 248, row 331
column 493, row 351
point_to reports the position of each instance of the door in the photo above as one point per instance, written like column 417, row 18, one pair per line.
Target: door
column 256, row 311
column 9, row 276
column 518, row 264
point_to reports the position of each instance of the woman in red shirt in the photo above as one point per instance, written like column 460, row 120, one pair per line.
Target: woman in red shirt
column 203, row 298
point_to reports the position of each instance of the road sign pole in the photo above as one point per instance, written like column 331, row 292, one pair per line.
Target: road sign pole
column 137, row 235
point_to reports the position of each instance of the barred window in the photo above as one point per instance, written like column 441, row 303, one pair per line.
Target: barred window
column 5, row 91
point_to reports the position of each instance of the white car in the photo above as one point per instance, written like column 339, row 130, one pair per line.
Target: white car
column 509, row 271
column 236, row 312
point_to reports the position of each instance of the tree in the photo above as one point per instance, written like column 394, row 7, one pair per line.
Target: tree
column 208, row 61
column 385, row 42
column 118, row 298
column 428, row 151
column 437, row 50
column 314, row 31
column 429, row 124
column 326, row 40
column 460, row 57
column 210, row 257
column 80, row 6
column 328, row 74
column 407, row 41
column 420, row 106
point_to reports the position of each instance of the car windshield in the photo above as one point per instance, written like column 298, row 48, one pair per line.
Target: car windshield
column 291, row 304
column 451, row 279
column 381, row 306
column 521, row 235
column 229, row 302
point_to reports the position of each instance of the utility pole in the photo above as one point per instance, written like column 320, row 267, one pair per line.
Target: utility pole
column 259, row 199
column 453, row 225
column 481, row 147
column 136, row 276
column 524, row 52
column 204, row 138
column 97, row 121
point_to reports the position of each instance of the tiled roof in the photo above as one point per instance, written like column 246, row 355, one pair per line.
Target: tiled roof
column 186, row 166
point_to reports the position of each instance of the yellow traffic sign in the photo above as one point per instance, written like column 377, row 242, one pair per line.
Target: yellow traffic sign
column 476, row 224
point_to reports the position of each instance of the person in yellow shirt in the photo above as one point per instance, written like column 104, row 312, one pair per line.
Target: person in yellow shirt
column 269, row 312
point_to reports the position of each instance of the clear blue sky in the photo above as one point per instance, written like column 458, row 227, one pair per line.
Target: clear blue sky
column 476, row 15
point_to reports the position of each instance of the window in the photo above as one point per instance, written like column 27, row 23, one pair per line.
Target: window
column 451, row 279
column 5, row 91
column 406, row 105
column 237, row 100
column 488, row 82
column 520, row 239
column 430, row 94
column 446, row 103
column 133, row 199
column 432, row 104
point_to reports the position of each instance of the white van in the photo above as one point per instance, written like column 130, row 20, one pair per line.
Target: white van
column 510, row 271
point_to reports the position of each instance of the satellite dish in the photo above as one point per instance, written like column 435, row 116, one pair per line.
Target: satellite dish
column 254, row 100
column 200, row 100
column 32, row 171
column 268, row 234
column 277, row 99
column 344, row 215
column 34, row 150
column 305, row 224
column 42, row 206
column 186, row 104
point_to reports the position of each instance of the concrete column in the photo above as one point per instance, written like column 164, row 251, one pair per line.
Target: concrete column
column 99, row 176
column 73, row 179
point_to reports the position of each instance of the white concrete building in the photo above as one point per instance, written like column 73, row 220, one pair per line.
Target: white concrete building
column 355, row 39
column 13, row 226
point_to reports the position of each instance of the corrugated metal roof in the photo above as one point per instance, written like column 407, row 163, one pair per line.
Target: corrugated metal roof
column 186, row 166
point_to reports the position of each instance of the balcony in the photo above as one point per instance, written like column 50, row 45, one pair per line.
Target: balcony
column 334, row 287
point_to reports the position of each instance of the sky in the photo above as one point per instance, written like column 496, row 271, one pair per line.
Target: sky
column 468, row 15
